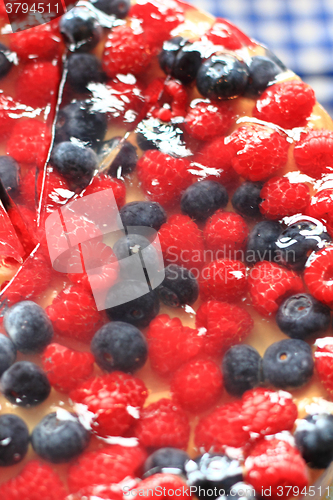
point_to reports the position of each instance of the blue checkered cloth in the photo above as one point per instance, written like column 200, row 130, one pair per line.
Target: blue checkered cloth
column 300, row 32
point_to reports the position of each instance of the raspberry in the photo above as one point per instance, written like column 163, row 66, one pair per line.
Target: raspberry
column 268, row 412
column 287, row 104
column 182, row 242
column 110, row 464
column 152, row 487
column 162, row 424
column 39, row 42
column 314, row 152
column 206, row 120
column 221, row 33
column 321, row 204
column 163, row 177
column 29, row 142
column 225, row 233
column 260, row 151
column 281, row 198
column 32, row 483
column 66, row 368
column 171, row 344
column 103, row 181
column 270, row 284
column 197, row 385
column 10, row 110
column 126, row 51
column 277, row 465
column 223, row 280
column 109, row 398
column 124, row 100
column 166, row 99
column 74, row 314
column 323, row 357
column 225, row 325
column 318, row 276
column 55, row 190
column 225, row 426
column 216, row 159
column 38, row 84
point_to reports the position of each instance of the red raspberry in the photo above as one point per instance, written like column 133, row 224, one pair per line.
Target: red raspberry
column 10, row 110
column 268, row 412
column 323, row 357
column 109, row 398
column 163, row 177
column 282, row 198
column 103, row 181
column 321, row 205
column 287, row 104
column 313, row 153
column 29, row 142
column 270, row 284
column 32, row 484
column 223, row 280
column 124, row 101
column 182, row 242
column 225, row 233
column 216, row 159
column 55, row 190
column 259, row 151
column 126, row 51
column 171, row 344
column 162, row 424
column 66, row 368
column 171, row 486
column 206, row 120
column 74, row 314
column 225, row 325
column 318, row 276
column 221, row 33
column 38, row 84
column 225, row 426
column 110, row 464
column 166, row 98
column 275, row 465
column 39, row 42
column 197, row 385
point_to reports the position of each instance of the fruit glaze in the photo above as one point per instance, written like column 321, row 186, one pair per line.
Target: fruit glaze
column 213, row 378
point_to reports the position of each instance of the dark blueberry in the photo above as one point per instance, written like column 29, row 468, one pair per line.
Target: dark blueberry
column 143, row 213
column 14, row 439
column 80, row 29
column 274, row 58
column 166, row 460
column 242, row 491
column 302, row 316
column 83, row 69
column 222, row 77
column 203, row 198
column 9, row 173
column 5, row 60
column 241, row 367
column 124, row 156
column 261, row 243
column 59, row 437
column 179, row 287
column 246, row 199
column 314, row 439
column 263, row 72
column 117, row 8
column 187, row 63
column 166, row 137
column 299, row 240
column 29, row 327
column 75, row 162
column 7, row 353
column 78, row 120
column 25, row 384
column 138, row 311
column 119, row 346
column 288, row 364
column 168, row 54
column 211, row 471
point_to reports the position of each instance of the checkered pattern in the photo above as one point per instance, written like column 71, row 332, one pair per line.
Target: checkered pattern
column 300, row 32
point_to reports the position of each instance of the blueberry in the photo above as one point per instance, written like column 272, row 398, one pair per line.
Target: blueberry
column 314, row 439
column 143, row 213
column 29, row 327
column 14, row 439
column 241, row 367
column 202, row 199
column 166, row 460
column 166, row 137
column 246, row 199
column 299, row 240
column 274, row 58
column 179, row 287
column 288, row 364
column 80, row 29
column 5, row 60
column 9, row 173
column 187, row 63
column 302, row 316
column 25, row 384
column 222, row 76
column 75, row 162
column 59, row 437
column 168, row 54
column 139, row 311
column 124, row 159
column 83, row 69
column 210, row 471
column 117, row 8
column 263, row 71
column 7, row 353
column 261, row 243
column 119, row 346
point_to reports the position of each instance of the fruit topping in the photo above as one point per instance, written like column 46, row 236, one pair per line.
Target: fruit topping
column 14, row 435
column 80, row 29
column 313, row 438
column 241, row 368
column 7, row 353
column 246, row 199
column 206, row 120
column 202, row 199
column 179, row 287
column 166, row 460
column 281, row 198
